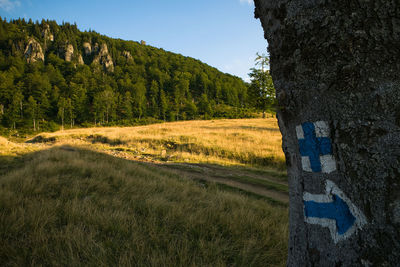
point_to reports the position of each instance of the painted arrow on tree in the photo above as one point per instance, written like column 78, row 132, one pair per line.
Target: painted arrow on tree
column 333, row 210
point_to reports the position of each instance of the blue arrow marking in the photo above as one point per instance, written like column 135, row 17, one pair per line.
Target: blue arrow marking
column 337, row 210
column 314, row 147
column 333, row 210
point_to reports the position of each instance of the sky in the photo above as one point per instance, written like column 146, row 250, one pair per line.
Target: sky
column 221, row 33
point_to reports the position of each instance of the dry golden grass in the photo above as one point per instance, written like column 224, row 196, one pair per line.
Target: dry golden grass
column 64, row 203
column 255, row 142
column 8, row 148
column 67, row 206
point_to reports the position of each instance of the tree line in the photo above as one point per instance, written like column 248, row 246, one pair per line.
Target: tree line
column 146, row 83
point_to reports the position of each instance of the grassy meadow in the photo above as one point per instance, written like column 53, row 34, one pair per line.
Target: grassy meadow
column 195, row 193
column 255, row 142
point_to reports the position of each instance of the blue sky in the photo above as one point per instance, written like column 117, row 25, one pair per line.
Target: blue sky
column 221, row 33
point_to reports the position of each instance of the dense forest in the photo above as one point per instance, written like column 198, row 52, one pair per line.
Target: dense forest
column 54, row 75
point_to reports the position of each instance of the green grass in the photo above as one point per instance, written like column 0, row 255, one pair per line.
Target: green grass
column 75, row 207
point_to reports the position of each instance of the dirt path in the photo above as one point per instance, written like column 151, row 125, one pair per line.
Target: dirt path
column 229, row 176
column 220, row 174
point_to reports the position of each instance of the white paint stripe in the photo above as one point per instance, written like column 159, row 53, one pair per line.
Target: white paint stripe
column 328, row 163
column 317, row 198
column 321, row 129
column 306, row 164
column 331, row 189
column 299, row 132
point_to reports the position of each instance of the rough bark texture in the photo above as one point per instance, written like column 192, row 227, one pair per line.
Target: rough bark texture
column 339, row 62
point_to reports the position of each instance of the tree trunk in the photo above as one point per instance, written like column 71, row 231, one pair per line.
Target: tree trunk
column 336, row 66
column 21, row 109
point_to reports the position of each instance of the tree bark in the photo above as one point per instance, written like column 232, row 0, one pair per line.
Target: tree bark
column 335, row 66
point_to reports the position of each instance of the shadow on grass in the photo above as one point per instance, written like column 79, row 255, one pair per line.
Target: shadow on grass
column 264, row 179
column 71, row 206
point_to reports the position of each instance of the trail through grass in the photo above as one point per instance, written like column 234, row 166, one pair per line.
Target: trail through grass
column 67, row 206
column 204, row 193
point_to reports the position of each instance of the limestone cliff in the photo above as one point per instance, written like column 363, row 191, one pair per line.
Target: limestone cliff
column 33, row 51
column 103, row 58
column 70, row 55
column 88, row 48
column 69, row 52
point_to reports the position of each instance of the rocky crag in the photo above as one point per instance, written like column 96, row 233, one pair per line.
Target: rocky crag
column 34, row 51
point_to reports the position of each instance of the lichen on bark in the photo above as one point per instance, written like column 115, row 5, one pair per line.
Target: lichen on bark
column 339, row 62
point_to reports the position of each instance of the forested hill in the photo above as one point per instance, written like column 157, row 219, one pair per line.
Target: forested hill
column 52, row 73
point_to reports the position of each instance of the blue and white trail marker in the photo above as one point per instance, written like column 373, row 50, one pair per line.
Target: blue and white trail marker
column 315, row 147
column 335, row 211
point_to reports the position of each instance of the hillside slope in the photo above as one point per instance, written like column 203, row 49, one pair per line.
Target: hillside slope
column 51, row 72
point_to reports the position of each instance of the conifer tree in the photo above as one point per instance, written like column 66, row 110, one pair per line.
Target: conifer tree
column 62, row 105
column 127, row 106
column 205, row 107
column 139, row 99
column 31, row 110
column 163, row 105
column 70, row 111
column 15, row 108
column 153, row 94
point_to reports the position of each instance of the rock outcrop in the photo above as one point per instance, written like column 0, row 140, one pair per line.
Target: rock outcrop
column 69, row 52
column 33, row 51
column 71, row 55
column 127, row 55
column 80, row 60
column 103, row 58
column 88, row 48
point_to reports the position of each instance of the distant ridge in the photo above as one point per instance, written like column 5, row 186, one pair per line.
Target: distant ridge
column 52, row 73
